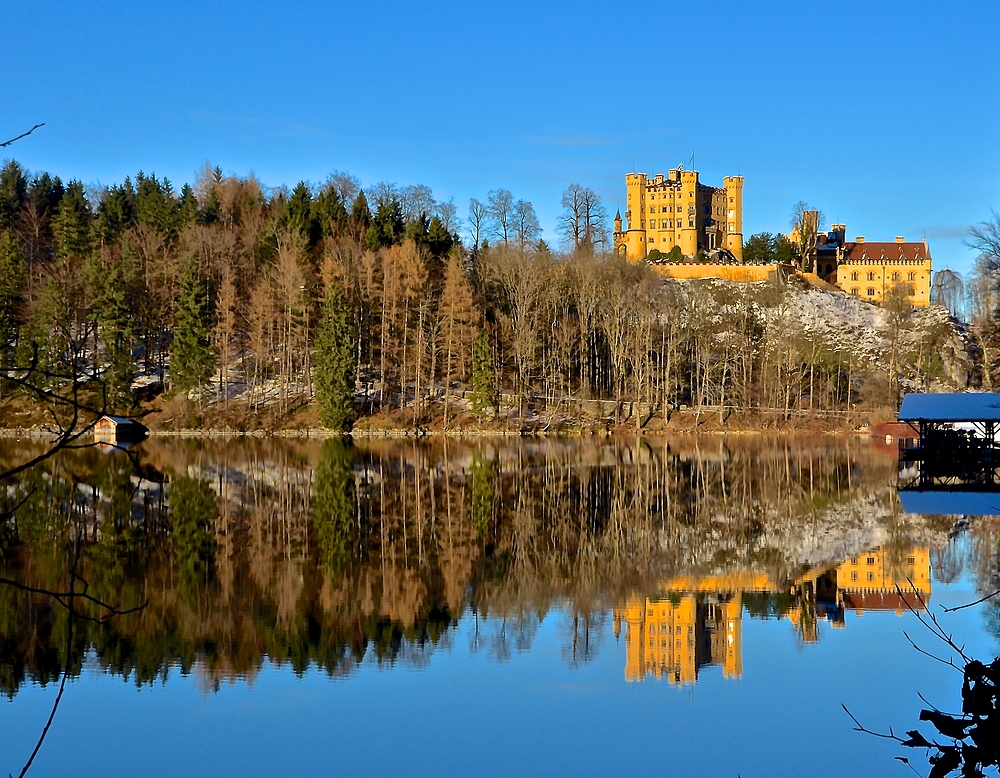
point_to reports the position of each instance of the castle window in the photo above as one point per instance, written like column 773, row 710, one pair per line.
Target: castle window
column 911, row 277
column 855, row 291
column 871, row 576
column 871, row 292
column 854, row 276
column 895, row 276
column 871, row 276
column 690, row 222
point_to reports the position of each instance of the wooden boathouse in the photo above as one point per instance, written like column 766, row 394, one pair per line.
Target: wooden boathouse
column 957, row 439
column 118, row 429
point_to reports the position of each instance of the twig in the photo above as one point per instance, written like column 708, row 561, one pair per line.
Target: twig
column 22, row 135
column 970, row 604
column 859, row 727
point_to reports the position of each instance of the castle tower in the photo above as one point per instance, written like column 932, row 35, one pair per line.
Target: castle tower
column 618, row 222
column 734, row 215
column 635, row 216
column 689, row 213
column 732, row 667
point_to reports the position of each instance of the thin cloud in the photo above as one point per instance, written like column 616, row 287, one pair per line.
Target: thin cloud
column 946, row 231
column 279, row 126
column 582, row 140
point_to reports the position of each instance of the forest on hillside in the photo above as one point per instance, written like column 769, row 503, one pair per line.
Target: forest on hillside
column 251, row 306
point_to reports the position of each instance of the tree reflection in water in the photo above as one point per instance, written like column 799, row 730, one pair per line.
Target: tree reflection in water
column 326, row 555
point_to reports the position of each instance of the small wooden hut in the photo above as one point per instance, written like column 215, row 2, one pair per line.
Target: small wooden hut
column 118, row 429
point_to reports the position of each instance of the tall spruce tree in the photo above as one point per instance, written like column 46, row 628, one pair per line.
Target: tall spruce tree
column 12, row 280
column 482, row 385
column 336, row 368
column 191, row 359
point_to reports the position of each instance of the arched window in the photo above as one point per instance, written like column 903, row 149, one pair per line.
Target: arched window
column 911, row 277
column 871, row 292
column 854, row 277
column 871, row 276
column 895, row 276
column 855, row 290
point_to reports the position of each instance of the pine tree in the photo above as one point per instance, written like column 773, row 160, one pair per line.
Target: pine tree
column 482, row 385
column 335, row 363
column 115, row 316
column 191, row 359
column 12, row 279
column 71, row 226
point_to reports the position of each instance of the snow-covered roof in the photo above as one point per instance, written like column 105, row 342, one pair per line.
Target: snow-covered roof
column 950, row 503
column 955, row 406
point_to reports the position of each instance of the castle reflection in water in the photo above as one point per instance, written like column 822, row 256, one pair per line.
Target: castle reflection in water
column 692, row 623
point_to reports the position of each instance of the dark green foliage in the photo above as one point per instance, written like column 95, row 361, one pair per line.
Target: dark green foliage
column 115, row 213
column 482, row 475
column 655, row 256
column 115, row 289
column 187, row 207
column 675, row 254
column 334, row 506
column 300, row 216
column 439, row 240
column 191, row 357
column 192, row 515
column 12, row 279
column 483, row 383
column 13, row 192
column 156, row 204
column 329, row 213
column 386, row 227
column 763, row 248
column 336, row 368
column 71, row 225
column 361, row 215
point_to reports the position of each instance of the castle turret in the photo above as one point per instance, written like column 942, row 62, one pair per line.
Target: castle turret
column 618, row 221
column 734, row 215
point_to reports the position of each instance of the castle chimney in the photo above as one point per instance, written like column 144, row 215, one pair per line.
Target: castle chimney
column 859, row 239
column 900, row 239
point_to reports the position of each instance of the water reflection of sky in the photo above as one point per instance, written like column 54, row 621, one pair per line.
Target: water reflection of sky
column 465, row 713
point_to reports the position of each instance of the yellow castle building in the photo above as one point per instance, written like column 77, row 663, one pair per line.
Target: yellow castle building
column 677, row 210
column 695, row 622
column 869, row 269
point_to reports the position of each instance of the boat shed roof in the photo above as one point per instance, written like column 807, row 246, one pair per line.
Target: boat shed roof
column 964, row 503
column 117, row 420
column 955, row 406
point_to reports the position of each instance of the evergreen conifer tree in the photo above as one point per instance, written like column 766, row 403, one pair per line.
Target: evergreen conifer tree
column 191, row 359
column 482, row 384
column 335, row 364
column 12, row 279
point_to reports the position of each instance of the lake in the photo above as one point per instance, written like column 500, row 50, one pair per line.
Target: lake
column 493, row 606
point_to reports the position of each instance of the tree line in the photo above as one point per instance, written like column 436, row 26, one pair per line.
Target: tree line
column 370, row 301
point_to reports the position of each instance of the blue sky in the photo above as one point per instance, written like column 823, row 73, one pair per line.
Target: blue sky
column 882, row 114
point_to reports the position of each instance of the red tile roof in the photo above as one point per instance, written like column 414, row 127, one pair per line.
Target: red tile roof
column 890, row 250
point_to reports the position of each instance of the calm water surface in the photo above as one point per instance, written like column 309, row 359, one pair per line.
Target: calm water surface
column 678, row 607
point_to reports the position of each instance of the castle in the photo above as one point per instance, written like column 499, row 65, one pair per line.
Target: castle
column 677, row 210
column 676, row 217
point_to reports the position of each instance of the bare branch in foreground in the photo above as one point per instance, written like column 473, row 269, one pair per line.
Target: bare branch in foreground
column 22, row 135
